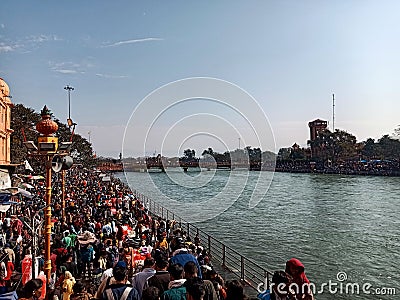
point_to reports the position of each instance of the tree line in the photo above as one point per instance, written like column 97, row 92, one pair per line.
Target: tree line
column 340, row 146
column 23, row 122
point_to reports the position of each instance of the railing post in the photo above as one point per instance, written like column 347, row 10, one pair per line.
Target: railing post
column 209, row 245
column 167, row 213
column 188, row 229
column 223, row 255
column 241, row 267
column 266, row 275
column 162, row 212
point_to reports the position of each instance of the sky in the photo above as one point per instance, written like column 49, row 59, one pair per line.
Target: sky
column 285, row 58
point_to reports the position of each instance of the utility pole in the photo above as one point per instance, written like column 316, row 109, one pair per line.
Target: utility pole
column 333, row 112
column 69, row 89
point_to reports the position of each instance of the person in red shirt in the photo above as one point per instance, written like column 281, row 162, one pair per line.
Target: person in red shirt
column 295, row 268
column 53, row 258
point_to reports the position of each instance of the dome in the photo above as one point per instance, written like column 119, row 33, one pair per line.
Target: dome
column 5, row 90
column 46, row 126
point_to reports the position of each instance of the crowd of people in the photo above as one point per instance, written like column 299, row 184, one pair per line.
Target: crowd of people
column 363, row 167
column 108, row 246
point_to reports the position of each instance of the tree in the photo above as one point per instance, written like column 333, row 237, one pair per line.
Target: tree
column 397, row 133
column 371, row 149
column 344, row 145
column 390, row 148
column 297, row 153
column 189, row 154
column 209, row 151
column 284, row 153
column 254, row 154
column 334, row 146
column 81, row 149
column 23, row 121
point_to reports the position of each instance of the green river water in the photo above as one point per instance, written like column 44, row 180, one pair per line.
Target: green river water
column 332, row 223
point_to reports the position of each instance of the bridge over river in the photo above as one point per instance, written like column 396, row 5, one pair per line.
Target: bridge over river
column 186, row 164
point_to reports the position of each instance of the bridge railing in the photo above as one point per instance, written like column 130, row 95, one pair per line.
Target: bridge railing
column 243, row 268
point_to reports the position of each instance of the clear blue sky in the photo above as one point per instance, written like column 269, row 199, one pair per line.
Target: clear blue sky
column 289, row 55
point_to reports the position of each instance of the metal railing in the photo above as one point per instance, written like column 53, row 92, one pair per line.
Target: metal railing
column 245, row 269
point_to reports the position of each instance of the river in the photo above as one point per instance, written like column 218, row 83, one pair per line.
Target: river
column 332, row 223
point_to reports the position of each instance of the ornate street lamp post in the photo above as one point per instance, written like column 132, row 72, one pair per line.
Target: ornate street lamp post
column 57, row 159
column 47, row 146
column 70, row 124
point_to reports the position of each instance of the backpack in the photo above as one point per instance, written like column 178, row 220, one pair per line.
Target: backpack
column 266, row 295
column 110, row 295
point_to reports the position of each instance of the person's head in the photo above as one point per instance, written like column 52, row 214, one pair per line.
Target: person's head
column 161, row 264
column 280, row 283
column 32, row 288
column 190, row 269
column 78, row 287
column 148, row 262
column 120, row 271
column 212, row 273
column 175, row 271
column 151, row 293
column 294, row 267
column 194, row 288
column 234, row 290
column 67, row 275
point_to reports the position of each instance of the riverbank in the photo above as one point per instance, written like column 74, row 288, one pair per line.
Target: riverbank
column 362, row 168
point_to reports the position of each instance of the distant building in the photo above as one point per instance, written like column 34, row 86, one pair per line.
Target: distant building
column 316, row 126
column 5, row 134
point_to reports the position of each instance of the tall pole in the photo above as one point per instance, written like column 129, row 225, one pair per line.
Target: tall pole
column 69, row 89
column 33, row 252
column 47, row 127
column 63, row 195
column 333, row 113
column 47, row 218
